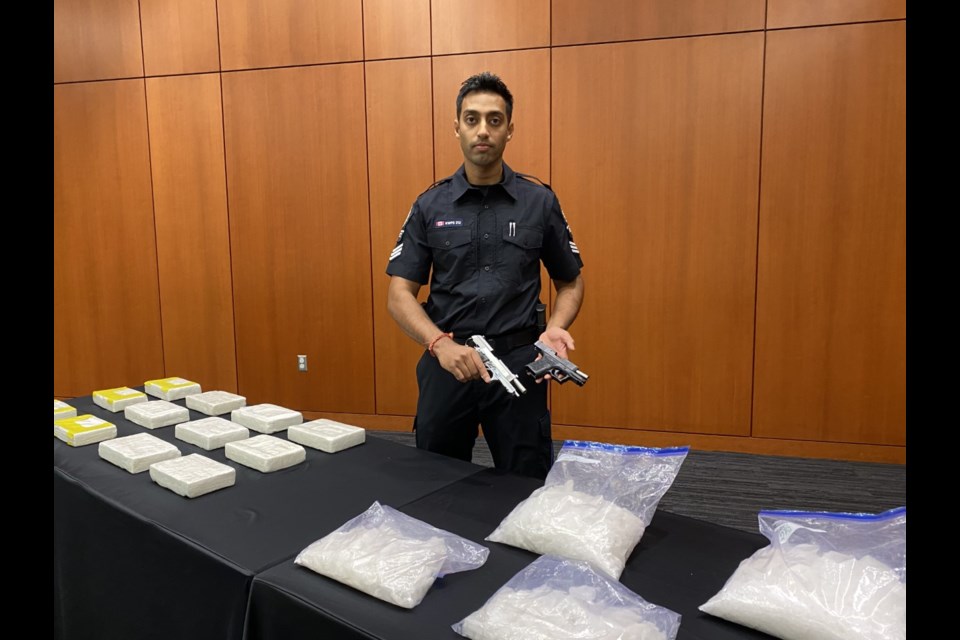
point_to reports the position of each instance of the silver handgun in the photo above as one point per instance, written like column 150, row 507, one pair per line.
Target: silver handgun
column 498, row 370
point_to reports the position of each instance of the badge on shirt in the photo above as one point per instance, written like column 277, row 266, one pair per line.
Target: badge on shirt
column 573, row 246
column 403, row 227
column 448, row 223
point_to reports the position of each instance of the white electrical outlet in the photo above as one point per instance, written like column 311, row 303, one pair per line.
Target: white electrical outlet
column 302, row 363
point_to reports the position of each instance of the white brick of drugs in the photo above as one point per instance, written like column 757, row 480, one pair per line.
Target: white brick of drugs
column 185, row 388
column 266, row 418
column 215, row 403
column 116, row 400
column 265, row 453
column 193, row 475
column 327, row 435
column 137, row 452
column 156, row 413
column 63, row 410
column 210, row 433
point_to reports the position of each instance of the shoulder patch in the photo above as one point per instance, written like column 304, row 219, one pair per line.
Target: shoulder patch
column 533, row 179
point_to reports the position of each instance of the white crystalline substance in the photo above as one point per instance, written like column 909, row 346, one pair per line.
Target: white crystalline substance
column 379, row 561
column 265, row 453
column 543, row 613
column 327, row 435
column 136, row 453
column 156, row 413
column 215, row 403
column 796, row 593
column 266, row 418
column 210, row 433
column 558, row 520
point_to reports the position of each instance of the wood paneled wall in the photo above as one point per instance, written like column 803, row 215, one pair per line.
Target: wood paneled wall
column 106, row 321
column 831, row 307
column 193, row 236
column 230, row 177
column 672, row 211
column 300, row 231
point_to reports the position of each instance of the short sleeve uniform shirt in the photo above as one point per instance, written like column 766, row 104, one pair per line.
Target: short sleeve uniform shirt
column 480, row 248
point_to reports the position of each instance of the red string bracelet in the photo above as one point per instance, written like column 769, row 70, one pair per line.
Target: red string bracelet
column 437, row 339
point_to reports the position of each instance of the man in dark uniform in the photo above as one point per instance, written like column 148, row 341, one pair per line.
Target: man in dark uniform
column 484, row 231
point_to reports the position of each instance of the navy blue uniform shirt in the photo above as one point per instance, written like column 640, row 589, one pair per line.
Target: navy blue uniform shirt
column 484, row 245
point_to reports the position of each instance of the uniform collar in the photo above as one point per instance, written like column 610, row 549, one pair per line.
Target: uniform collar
column 460, row 185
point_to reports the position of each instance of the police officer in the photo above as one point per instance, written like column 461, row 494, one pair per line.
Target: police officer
column 484, row 231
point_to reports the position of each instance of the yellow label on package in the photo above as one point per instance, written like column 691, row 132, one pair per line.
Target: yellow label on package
column 69, row 428
column 61, row 407
column 120, row 393
column 166, row 384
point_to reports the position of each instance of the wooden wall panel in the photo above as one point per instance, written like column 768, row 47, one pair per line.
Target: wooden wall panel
column 256, row 34
column 106, row 321
column 831, row 315
column 527, row 75
column 401, row 167
column 495, row 25
column 300, row 236
column 656, row 154
column 179, row 36
column 799, row 13
column 193, row 237
column 586, row 21
column 396, row 28
column 96, row 39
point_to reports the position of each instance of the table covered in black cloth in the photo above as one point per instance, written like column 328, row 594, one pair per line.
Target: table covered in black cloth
column 134, row 560
column 679, row 564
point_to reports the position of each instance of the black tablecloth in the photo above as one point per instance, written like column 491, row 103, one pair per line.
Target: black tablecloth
column 679, row 564
column 135, row 560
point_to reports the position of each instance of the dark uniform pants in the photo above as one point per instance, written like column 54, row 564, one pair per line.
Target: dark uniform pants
column 517, row 430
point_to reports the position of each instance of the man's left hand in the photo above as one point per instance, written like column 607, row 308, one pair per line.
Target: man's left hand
column 560, row 341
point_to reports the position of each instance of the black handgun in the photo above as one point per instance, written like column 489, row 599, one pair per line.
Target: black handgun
column 560, row 369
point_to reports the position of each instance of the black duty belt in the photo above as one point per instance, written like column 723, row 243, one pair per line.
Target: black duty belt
column 505, row 342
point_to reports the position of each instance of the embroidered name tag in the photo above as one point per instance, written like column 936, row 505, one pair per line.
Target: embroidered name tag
column 448, row 223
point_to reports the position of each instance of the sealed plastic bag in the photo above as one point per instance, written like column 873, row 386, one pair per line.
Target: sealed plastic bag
column 829, row 576
column 595, row 504
column 390, row 555
column 556, row 598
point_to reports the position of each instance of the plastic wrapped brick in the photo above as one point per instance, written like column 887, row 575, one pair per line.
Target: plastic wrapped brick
column 266, row 418
column 215, row 403
column 83, row 430
column 390, row 555
column 171, row 388
column 137, row 452
column 156, row 413
column 326, row 435
column 210, row 433
column 595, row 504
column 118, row 398
column 193, row 475
column 62, row 410
column 558, row 599
column 265, row 453
column 829, row 576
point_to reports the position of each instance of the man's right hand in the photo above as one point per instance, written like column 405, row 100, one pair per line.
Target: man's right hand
column 461, row 361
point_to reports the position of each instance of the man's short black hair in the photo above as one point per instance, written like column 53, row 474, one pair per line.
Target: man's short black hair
column 485, row 81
